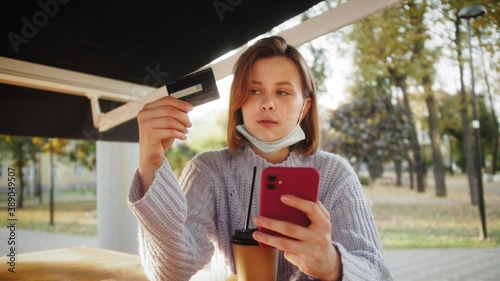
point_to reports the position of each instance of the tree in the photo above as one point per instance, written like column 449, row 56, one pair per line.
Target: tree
column 489, row 25
column 496, row 125
column 370, row 129
column 451, row 126
column 425, row 59
column 21, row 150
column 82, row 152
column 17, row 149
column 384, row 48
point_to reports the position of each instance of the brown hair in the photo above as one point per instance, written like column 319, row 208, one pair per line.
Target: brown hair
column 240, row 89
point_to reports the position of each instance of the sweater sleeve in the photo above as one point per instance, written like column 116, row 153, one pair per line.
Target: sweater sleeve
column 354, row 233
column 173, row 235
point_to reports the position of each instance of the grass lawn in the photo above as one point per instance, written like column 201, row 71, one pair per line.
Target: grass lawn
column 435, row 226
column 407, row 219
column 72, row 217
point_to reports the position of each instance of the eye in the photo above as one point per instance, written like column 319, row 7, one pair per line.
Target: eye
column 255, row 91
column 282, row 93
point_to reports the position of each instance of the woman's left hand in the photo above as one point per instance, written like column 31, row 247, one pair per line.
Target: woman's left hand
column 312, row 252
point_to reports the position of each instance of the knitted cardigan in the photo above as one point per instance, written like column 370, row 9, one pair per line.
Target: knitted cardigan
column 183, row 223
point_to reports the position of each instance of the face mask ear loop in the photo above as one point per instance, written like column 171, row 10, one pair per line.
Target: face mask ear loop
column 301, row 111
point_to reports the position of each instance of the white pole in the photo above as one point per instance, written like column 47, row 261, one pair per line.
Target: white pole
column 116, row 225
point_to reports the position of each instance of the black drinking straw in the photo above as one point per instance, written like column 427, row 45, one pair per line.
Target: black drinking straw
column 251, row 197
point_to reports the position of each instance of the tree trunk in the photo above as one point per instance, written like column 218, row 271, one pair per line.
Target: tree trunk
column 398, row 169
column 411, row 169
column 20, row 199
column 469, row 159
column 451, row 160
column 437, row 158
column 375, row 168
column 418, row 160
column 38, row 180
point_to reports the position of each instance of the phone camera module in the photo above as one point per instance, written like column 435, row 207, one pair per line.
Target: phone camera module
column 271, row 178
column 271, row 186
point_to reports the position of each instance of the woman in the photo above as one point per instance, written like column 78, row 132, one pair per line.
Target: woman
column 273, row 121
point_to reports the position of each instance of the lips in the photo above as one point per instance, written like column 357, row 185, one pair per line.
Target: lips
column 267, row 122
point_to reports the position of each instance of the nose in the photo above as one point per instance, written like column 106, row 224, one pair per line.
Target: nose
column 267, row 104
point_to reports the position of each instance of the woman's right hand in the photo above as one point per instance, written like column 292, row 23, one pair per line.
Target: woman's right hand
column 160, row 123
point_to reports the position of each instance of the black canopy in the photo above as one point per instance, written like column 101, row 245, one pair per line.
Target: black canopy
column 145, row 42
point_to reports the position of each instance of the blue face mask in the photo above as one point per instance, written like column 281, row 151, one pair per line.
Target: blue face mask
column 271, row 147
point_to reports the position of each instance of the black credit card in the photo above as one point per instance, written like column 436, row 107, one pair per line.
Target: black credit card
column 196, row 88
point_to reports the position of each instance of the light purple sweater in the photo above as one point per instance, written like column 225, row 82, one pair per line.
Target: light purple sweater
column 182, row 223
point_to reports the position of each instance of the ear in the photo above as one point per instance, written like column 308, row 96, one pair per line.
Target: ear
column 307, row 106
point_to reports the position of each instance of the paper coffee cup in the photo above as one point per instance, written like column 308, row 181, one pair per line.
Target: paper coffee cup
column 253, row 262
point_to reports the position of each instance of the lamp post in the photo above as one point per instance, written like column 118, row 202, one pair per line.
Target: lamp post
column 469, row 13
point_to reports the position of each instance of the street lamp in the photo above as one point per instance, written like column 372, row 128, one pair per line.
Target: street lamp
column 470, row 13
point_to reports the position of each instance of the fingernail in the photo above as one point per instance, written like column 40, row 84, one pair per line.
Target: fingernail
column 285, row 198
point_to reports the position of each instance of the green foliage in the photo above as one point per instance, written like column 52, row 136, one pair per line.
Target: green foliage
column 19, row 149
column 369, row 130
column 393, row 48
column 178, row 156
column 450, row 122
column 82, row 152
column 364, row 180
column 451, row 125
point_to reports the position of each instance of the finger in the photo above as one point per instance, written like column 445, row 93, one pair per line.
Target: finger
column 311, row 209
column 324, row 210
column 161, row 135
column 167, row 100
column 286, row 228
column 166, row 144
column 179, row 104
column 167, row 123
column 280, row 243
column 164, row 111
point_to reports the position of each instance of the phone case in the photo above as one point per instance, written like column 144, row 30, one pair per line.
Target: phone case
column 276, row 181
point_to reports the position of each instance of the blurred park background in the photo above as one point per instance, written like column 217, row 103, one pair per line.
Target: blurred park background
column 395, row 100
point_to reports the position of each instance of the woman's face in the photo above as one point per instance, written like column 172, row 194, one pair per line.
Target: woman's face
column 272, row 109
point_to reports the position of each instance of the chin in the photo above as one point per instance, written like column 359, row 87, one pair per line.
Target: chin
column 268, row 138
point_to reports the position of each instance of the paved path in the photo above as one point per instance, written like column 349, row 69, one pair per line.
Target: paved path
column 445, row 264
column 406, row 265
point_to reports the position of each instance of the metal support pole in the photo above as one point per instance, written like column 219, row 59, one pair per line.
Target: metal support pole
column 51, row 182
column 477, row 142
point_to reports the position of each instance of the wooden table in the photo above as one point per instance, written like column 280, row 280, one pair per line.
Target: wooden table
column 77, row 264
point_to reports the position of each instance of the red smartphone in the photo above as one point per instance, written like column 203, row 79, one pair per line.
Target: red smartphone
column 302, row 182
